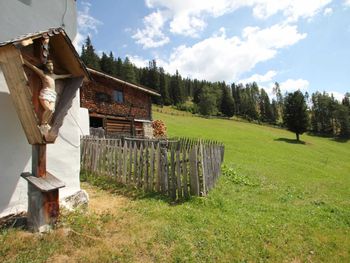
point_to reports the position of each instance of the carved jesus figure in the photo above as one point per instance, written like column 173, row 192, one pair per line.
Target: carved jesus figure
column 48, row 93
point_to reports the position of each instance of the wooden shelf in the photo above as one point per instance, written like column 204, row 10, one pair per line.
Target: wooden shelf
column 44, row 184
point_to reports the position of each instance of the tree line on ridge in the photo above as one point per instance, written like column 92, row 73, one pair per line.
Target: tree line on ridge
column 319, row 113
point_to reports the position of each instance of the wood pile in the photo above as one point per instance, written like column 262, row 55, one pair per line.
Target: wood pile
column 159, row 129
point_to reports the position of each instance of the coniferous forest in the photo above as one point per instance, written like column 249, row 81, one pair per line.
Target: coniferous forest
column 321, row 114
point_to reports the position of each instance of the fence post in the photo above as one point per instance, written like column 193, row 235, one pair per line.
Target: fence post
column 164, row 166
column 135, row 164
column 159, row 168
column 194, row 182
column 172, row 182
column 178, row 171
column 184, row 171
column 152, row 167
column 125, row 149
column 204, row 166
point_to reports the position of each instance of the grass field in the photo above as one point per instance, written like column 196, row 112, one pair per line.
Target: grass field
column 284, row 202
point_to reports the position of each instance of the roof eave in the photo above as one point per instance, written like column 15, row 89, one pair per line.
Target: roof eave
column 154, row 93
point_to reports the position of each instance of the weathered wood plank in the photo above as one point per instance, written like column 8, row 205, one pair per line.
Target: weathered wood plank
column 11, row 63
column 184, row 171
column 204, row 168
column 130, row 162
column 141, row 165
column 194, row 180
column 146, row 173
column 44, row 184
column 178, row 173
column 172, row 177
column 151, row 182
column 159, row 168
column 135, row 165
column 165, row 170
column 125, row 149
column 63, row 105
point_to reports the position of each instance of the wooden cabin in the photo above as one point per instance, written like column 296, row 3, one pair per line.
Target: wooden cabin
column 119, row 107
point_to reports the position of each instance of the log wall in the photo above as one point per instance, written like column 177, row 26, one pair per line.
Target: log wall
column 136, row 104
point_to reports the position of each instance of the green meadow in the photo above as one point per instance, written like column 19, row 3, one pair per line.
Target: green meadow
column 277, row 201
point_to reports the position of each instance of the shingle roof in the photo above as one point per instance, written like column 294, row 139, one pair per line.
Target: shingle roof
column 46, row 34
column 146, row 90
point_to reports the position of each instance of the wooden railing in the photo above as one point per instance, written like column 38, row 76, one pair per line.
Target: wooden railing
column 177, row 168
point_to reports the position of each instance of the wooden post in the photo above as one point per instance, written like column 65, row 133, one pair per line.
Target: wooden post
column 43, row 196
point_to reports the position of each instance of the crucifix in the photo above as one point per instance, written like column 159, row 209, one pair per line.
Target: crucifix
column 48, row 93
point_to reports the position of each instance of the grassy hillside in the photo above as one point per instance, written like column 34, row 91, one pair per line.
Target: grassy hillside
column 281, row 202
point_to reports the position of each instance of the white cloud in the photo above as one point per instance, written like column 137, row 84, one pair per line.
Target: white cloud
column 152, row 36
column 267, row 77
column 87, row 24
column 337, row 95
column 347, row 3
column 220, row 57
column 187, row 17
column 291, row 9
column 138, row 61
column 328, row 11
column 291, row 85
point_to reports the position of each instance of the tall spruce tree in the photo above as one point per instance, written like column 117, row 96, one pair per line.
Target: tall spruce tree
column 266, row 113
column 164, row 87
column 207, row 101
column 128, row 73
column 295, row 113
column 176, row 89
column 88, row 55
column 343, row 120
column 227, row 106
column 107, row 64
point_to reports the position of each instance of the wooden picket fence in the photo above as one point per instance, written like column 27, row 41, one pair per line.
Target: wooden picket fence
column 177, row 168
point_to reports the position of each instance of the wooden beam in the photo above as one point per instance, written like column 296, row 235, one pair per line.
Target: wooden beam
column 11, row 63
column 64, row 104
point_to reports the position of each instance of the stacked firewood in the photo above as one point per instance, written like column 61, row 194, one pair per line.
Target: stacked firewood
column 159, row 129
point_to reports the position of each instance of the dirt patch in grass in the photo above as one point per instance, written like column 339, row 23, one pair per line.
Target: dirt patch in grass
column 102, row 201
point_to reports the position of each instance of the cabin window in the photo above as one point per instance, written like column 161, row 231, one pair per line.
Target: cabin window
column 102, row 97
column 118, row 96
column 96, row 122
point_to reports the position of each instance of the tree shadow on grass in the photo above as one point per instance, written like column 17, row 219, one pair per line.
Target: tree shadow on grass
column 330, row 137
column 292, row 141
column 339, row 139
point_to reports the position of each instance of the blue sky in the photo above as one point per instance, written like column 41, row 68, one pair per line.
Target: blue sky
column 302, row 44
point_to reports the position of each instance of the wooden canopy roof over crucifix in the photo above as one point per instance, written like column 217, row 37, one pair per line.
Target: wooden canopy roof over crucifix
column 26, row 85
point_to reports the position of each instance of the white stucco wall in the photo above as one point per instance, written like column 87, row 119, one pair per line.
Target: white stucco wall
column 84, row 121
column 19, row 17
column 63, row 157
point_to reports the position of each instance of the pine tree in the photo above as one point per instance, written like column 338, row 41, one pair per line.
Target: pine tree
column 164, row 87
column 227, row 106
column 119, row 68
column 175, row 92
column 128, row 73
column 107, row 64
column 343, row 120
column 295, row 113
column 266, row 113
column 207, row 102
column 346, row 100
column 88, row 55
column 153, row 76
